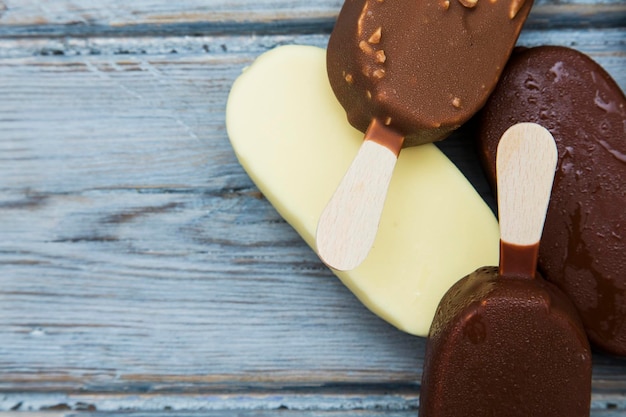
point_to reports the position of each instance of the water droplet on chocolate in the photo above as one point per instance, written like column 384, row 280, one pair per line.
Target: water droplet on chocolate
column 475, row 330
column 605, row 126
column 617, row 154
column 531, row 84
column 557, row 71
column 609, row 107
column 566, row 168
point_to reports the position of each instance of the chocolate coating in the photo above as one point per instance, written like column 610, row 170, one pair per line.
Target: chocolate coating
column 422, row 67
column 583, row 248
column 506, row 346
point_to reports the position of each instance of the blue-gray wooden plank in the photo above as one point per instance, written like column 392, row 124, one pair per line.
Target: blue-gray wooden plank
column 35, row 18
column 327, row 402
column 135, row 254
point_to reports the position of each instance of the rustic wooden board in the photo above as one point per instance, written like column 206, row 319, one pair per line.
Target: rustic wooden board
column 332, row 401
column 34, row 18
column 140, row 269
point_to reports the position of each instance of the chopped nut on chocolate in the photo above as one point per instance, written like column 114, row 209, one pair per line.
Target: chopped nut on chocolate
column 365, row 47
column 381, row 57
column 375, row 38
column 516, row 5
column 468, row 3
column 421, row 65
column 379, row 73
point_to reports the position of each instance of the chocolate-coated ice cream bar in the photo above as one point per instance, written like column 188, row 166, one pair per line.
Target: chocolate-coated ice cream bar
column 407, row 72
column 420, row 67
column 505, row 342
column 583, row 250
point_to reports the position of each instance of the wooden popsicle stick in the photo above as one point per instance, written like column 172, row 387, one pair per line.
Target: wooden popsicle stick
column 348, row 225
column 525, row 164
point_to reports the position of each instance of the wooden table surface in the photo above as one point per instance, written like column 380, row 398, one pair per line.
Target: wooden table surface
column 141, row 271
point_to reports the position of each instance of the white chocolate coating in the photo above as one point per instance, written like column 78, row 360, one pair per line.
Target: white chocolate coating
column 293, row 139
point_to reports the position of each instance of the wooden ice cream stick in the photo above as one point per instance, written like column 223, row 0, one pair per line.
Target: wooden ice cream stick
column 349, row 223
column 525, row 163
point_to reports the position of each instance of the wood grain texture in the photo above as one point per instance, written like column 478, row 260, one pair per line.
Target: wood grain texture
column 34, row 18
column 349, row 223
column 140, row 268
column 526, row 162
column 138, row 255
column 334, row 402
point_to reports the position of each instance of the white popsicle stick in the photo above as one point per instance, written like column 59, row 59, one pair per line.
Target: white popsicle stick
column 348, row 225
column 525, row 162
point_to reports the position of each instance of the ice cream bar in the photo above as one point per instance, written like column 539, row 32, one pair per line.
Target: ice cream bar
column 583, row 250
column 297, row 165
column 420, row 67
column 407, row 72
column 504, row 341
